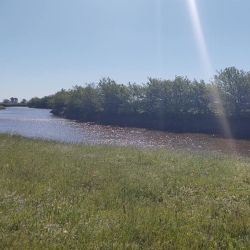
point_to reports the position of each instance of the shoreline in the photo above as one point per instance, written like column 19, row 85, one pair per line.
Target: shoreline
column 90, row 133
column 207, row 125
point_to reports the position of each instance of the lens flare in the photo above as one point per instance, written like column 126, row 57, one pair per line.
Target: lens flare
column 159, row 31
column 207, row 67
column 200, row 38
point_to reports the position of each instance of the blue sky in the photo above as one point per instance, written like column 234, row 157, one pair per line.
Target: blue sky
column 46, row 45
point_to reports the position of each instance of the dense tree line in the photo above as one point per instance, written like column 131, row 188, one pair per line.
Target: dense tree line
column 179, row 104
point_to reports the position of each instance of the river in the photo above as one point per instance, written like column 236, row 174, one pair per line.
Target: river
column 40, row 123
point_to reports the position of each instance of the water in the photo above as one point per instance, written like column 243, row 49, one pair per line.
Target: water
column 40, row 123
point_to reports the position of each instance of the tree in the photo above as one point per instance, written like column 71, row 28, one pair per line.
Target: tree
column 234, row 88
column 14, row 100
column 136, row 97
column 43, row 103
column 6, row 101
column 114, row 97
column 180, row 96
column 24, row 101
column 83, row 103
column 199, row 98
column 59, row 102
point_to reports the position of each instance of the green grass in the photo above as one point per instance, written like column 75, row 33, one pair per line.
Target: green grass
column 62, row 196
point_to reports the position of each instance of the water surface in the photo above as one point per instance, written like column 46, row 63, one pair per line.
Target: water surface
column 40, row 123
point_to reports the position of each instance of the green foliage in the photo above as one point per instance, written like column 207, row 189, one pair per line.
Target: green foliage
column 234, row 86
column 62, row 196
column 60, row 101
column 180, row 96
column 24, row 102
column 136, row 98
column 156, row 98
column 40, row 102
column 82, row 102
column 114, row 97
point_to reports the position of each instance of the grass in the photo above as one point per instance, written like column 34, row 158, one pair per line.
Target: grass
column 1, row 107
column 62, row 196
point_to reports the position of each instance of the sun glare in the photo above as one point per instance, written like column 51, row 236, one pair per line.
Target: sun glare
column 207, row 65
column 200, row 38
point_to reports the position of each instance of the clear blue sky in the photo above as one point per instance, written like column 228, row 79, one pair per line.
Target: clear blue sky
column 46, row 45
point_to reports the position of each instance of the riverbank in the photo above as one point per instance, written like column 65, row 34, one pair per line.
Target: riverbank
column 238, row 128
column 40, row 123
column 73, row 196
column 9, row 105
column 176, row 105
column 2, row 107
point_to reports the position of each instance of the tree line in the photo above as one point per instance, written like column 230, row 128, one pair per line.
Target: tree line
column 180, row 104
column 13, row 101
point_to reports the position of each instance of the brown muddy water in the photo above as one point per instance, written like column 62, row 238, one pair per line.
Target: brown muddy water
column 40, row 123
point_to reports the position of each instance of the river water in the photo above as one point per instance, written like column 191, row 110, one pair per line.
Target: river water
column 40, row 123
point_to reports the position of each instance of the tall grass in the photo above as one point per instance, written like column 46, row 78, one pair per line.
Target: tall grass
column 62, row 196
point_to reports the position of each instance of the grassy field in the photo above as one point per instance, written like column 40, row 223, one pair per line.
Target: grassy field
column 61, row 196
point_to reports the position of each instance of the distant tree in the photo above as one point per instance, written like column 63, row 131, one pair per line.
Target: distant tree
column 234, row 88
column 34, row 102
column 60, row 101
column 200, row 100
column 24, row 101
column 83, row 103
column 114, row 97
column 43, row 103
column 6, row 101
column 155, row 96
column 14, row 100
column 136, row 98
column 180, row 96
column 179, row 93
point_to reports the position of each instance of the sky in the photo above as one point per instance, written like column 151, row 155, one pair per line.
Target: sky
column 46, row 45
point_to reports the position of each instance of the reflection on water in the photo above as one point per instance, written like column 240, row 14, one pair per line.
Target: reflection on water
column 41, row 123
